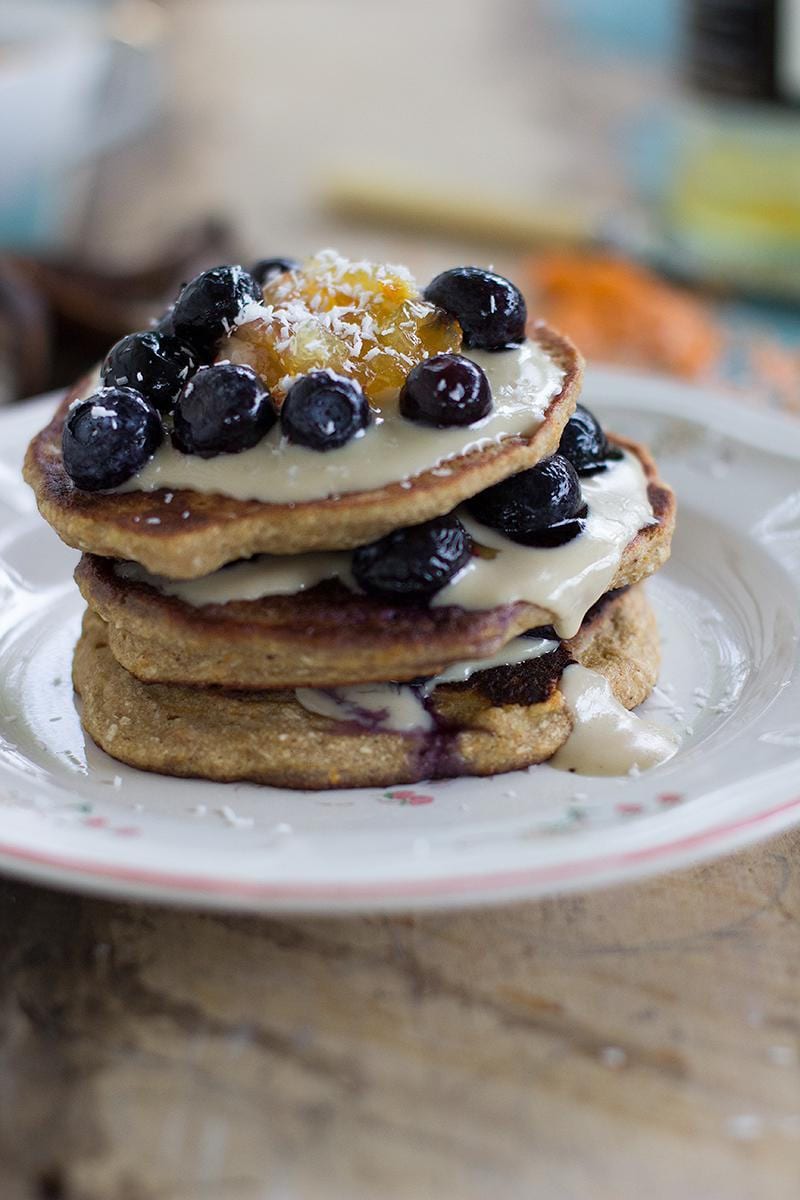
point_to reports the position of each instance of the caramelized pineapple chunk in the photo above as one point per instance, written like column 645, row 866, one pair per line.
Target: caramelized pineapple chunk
column 361, row 320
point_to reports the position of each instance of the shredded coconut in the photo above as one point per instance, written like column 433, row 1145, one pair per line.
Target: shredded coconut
column 234, row 820
column 312, row 321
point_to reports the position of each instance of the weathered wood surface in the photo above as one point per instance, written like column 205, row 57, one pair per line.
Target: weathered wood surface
column 640, row 1041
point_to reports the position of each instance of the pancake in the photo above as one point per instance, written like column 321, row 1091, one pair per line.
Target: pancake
column 327, row 636
column 187, row 534
column 499, row 720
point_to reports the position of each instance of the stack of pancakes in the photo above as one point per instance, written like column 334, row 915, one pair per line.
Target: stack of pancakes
column 190, row 663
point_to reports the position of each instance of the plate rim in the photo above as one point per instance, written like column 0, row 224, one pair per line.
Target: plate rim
column 444, row 892
column 761, row 429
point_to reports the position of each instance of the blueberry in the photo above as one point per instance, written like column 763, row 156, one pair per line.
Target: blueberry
column 222, row 410
column 108, row 437
column 156, row 364
column 490, row 309
column 446, row 390
column 209, row 305
column 413, row 563
column 323, row 411
column 538, row 507
column 163, row 324
column 267, row 268
column 584, row 443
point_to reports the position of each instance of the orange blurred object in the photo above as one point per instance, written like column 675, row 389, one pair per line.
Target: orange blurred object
column 617, row 311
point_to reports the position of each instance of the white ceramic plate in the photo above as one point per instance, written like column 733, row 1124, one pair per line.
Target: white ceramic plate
column 729, row 607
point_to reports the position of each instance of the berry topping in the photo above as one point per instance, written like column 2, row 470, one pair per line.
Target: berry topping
column 413, row 563
column 489, row 309
column 222, row 410
column 446, row 390
column 109, row 437
column 323, row 411
column 268, row 268
column 585, row 445
column 538, row 507
column 359, row 319
column 209, row 306
column 157, row 364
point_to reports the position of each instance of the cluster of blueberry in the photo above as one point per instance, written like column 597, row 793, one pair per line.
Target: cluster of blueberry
column 542, row 506
column 110, row 436
column 449, row 389
column 225, row 408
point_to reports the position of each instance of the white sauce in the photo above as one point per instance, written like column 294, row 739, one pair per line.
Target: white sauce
column 523, row 382
column 606, row 739
column 517, row 651
column 382, row 707
column 564, row 580
column 273, row 575
column 398, row 708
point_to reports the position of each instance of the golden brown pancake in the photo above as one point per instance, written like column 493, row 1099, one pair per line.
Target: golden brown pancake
column 327, row 636
column 499, row 720
column 220, row 529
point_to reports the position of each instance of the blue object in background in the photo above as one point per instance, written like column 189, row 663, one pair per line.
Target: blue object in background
column 636, row 27
column 70, row 91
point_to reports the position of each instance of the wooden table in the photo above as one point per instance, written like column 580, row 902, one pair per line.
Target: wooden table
column 638, row 1042
column 641, row 1041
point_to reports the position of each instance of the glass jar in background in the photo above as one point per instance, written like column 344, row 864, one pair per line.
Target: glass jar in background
column 732, row 206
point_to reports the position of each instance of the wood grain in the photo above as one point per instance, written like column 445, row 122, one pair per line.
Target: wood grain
column 642, row 1038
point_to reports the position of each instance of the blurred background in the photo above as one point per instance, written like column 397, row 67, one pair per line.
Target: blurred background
column 635, row 167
